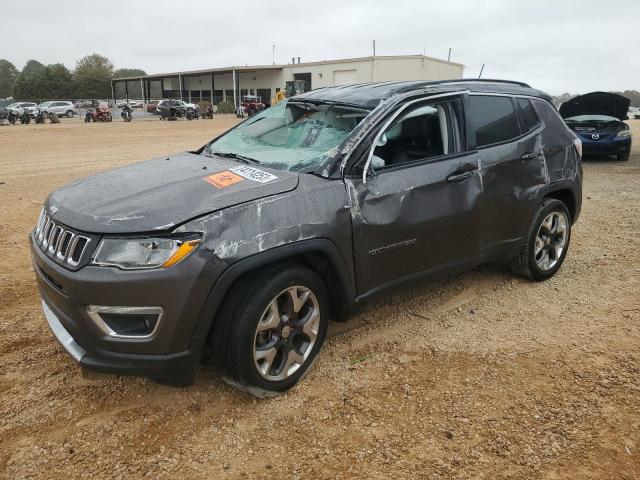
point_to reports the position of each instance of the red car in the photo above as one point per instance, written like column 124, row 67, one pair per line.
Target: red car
column 151, row 107
column 251, row 104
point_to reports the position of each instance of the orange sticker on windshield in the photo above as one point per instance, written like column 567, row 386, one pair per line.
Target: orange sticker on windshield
column 223, row 179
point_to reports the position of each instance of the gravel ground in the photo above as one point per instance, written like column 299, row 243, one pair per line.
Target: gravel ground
column 484, row 375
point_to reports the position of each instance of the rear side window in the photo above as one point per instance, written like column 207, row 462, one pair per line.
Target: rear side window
column 491, row 119
column 527, row 115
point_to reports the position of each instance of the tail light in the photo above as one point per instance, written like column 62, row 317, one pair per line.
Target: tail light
column 577, row 143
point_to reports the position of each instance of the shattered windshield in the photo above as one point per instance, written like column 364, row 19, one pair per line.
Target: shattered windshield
column 292, row 135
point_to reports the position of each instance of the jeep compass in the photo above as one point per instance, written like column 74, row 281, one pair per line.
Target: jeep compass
column 242, row 250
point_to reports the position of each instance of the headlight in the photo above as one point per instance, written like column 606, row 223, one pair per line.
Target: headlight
column 143, row 253
column 624, row 134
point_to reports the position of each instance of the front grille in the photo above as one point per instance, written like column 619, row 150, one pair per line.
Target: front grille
column 59, row 242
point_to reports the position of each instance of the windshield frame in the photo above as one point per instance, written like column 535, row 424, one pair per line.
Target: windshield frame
column 333, row 155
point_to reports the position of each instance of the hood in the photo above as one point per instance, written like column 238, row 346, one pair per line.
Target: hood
column 596, row 103
column 159, row 194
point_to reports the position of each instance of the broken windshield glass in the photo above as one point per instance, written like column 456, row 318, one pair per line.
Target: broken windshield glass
column 292, row 135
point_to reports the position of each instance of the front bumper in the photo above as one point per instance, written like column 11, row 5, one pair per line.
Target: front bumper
column 605, row 147
column 170, row 355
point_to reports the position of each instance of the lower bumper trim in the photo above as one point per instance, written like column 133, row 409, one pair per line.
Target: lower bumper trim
column 68, row 343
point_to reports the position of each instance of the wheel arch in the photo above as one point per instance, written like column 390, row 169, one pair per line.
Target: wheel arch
column 566, row 195
column 320, row 255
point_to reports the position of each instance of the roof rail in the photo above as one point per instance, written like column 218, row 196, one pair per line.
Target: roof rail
column 486, row 80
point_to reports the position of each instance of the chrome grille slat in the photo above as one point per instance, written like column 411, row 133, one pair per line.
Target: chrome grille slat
column 65, row 241
column 59, row 242
column 56, row 232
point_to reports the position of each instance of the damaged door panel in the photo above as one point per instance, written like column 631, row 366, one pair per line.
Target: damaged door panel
column 415, row 219
column 513, row 169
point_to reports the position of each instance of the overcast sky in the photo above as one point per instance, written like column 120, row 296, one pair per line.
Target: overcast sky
column 558, row 46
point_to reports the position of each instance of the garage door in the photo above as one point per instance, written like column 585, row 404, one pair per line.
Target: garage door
column 344, row 77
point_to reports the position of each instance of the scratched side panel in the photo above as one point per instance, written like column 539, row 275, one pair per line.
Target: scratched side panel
column 557, row 143
column 510, row 187
column 413, row 220
column 318, row 208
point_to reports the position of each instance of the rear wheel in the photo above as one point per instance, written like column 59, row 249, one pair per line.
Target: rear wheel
column 547, row 242
column 271, row 330
column 624, row 156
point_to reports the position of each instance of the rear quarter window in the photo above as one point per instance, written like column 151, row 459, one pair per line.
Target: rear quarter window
column 491, row 119
column 528, row 115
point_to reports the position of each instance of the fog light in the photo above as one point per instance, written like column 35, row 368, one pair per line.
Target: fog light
column 126, row 322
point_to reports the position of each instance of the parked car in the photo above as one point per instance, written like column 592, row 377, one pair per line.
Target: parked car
column 60, row 108
column 633, row 113
column 131, row 103
column 597, row 119
column 18, row 107
column 246, row 247
column 177, row 109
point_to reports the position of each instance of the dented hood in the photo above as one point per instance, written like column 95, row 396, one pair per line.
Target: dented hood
column 596, row 103
column 159, row 194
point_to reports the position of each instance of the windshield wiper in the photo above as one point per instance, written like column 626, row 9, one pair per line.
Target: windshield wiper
column 235, row 156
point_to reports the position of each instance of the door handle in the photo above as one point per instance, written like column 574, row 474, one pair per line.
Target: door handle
column 530, row 156
column 460, row 176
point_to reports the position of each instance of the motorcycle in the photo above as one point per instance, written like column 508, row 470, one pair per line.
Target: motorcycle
column 39, row 115
column 191, row 113
column 208, row 112
column 25, row 118
column 126, row 112
column 103, row 114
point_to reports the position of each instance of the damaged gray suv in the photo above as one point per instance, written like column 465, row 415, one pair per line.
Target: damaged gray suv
column 239, row 253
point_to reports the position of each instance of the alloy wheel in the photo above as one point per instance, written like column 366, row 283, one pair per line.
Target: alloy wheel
column 551, row 240
column 286, row 333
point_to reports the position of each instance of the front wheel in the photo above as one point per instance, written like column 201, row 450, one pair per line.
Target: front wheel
column 547, row 242
column 271, row 330
column 70, row 114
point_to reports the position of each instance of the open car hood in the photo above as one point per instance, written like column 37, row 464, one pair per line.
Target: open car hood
column 159, row 194
column 596, row 103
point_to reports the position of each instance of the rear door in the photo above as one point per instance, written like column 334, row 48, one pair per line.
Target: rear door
column 512, row 165
column 414, row 212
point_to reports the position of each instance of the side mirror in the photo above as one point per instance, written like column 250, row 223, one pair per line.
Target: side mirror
column 382, row 141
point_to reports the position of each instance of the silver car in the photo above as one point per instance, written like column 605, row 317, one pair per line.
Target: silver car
column 18, row 107
column 59, row 107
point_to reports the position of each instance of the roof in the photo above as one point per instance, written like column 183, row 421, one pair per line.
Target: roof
column 369, row 95
column 251, row 68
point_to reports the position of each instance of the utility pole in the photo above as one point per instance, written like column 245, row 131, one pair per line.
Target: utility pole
column 449, row 57
column 481, row 70
column 374, row 48
column 273, row 53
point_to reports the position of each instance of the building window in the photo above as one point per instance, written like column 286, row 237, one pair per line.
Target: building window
column 218, row 96
column 228, row 95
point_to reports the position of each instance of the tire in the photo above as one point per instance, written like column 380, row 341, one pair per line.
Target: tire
column 236, row 341
column 530, row 263
column 624, row 156
column 69, row 114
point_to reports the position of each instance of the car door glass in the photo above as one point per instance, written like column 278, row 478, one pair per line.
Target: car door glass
column 419, row 134
column 527, row 114
column 492, row 119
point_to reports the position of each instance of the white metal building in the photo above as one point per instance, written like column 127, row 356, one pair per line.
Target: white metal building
column 230, row 83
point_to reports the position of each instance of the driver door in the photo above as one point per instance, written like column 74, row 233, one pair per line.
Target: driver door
column 413, row 212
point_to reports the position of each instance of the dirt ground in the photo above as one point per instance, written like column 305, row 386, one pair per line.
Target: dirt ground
column 484, row 375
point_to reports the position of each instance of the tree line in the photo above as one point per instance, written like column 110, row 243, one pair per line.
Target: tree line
column 91, row 79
